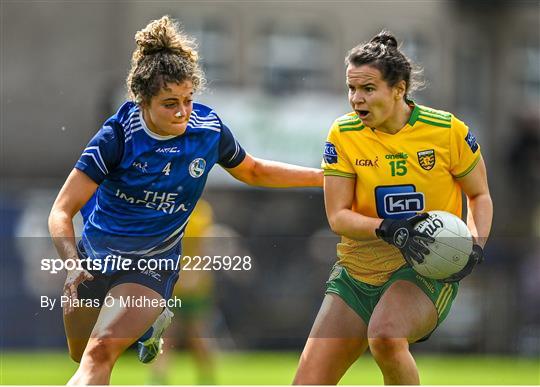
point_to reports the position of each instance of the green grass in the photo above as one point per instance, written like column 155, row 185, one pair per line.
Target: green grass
column 272, row 368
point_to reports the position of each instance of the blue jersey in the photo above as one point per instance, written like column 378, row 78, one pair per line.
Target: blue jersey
column 149, row 184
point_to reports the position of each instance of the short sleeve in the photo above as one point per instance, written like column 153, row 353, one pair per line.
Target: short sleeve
column 464, row 149
column 335, row 161
column 231, row 152
column 103, row 153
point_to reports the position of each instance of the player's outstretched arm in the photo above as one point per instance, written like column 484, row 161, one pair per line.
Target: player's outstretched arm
column 275, row 174
column 479, row 204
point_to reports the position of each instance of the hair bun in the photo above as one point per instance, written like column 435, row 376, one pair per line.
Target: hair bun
column 153, row 40
column 385, row 38
column 164, row 35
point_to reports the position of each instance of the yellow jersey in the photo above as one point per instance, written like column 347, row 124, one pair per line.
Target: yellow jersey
column 398, row 176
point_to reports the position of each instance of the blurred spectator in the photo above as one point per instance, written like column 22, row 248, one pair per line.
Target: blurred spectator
column 522, row 162
column 196, row 290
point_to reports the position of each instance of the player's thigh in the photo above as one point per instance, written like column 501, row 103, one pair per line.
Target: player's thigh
column 79, row 322
column 78, row 326
column 126, row 314
column 404, row 311
column 337, row 339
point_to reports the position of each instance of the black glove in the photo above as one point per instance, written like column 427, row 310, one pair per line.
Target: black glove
column 476, row 257
column 401, row 233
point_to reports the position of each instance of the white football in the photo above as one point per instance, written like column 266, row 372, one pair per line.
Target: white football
column 451, row 249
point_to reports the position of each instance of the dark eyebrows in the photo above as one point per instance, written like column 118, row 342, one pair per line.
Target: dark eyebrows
column 361, row 85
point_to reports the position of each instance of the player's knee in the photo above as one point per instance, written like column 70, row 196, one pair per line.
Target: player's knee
column 76, row 349
column 384, row 329
column 387, row 348
column 102, row 351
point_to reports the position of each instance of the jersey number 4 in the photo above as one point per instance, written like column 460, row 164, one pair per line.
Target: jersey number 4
column 167, row 169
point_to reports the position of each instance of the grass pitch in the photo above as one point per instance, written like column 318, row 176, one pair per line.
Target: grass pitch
column 277, row 368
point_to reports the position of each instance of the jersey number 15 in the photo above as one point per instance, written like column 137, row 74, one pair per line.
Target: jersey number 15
column 398, row 168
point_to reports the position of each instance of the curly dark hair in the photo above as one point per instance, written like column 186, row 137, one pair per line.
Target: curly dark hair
column 164, row 54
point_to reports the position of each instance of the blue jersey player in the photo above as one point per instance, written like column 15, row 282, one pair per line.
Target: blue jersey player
column 136, row 184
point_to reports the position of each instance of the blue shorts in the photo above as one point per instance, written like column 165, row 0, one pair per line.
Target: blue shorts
column 161, row 281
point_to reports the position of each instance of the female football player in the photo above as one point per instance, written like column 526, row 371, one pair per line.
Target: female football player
column 386, row 164
column 136, row 184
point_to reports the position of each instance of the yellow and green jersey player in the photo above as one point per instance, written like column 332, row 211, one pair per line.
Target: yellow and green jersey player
column 398, row 175
column 386, row 164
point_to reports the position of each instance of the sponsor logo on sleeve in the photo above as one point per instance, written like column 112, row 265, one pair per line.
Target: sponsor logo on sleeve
column 330, row 153
column 471, row 142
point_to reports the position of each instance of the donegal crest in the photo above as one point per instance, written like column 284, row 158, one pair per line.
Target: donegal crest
column 426, row 158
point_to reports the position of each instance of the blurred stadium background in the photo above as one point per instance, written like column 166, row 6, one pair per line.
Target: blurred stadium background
column 276, row 76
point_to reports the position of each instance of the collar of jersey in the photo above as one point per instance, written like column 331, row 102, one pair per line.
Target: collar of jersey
column 412, row 120
column 152, row 134
column 415, row 112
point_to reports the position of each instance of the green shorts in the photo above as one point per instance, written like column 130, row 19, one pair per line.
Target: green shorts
column 363, row 297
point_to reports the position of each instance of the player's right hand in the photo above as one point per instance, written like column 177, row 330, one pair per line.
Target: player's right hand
column 401, row 233
column 73, row 279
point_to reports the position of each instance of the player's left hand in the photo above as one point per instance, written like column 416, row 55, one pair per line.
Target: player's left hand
column 476, row 258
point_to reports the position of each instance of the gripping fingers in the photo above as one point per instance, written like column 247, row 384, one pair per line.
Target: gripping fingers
column 451, row 279
column 418, row 218
column 417, row 255
column 412, row 254
column 71, row 293
column 73, row 280
column 477, row 254
column 464, row 272
column 419, row 244
column 423, row 237
column 87, row 276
